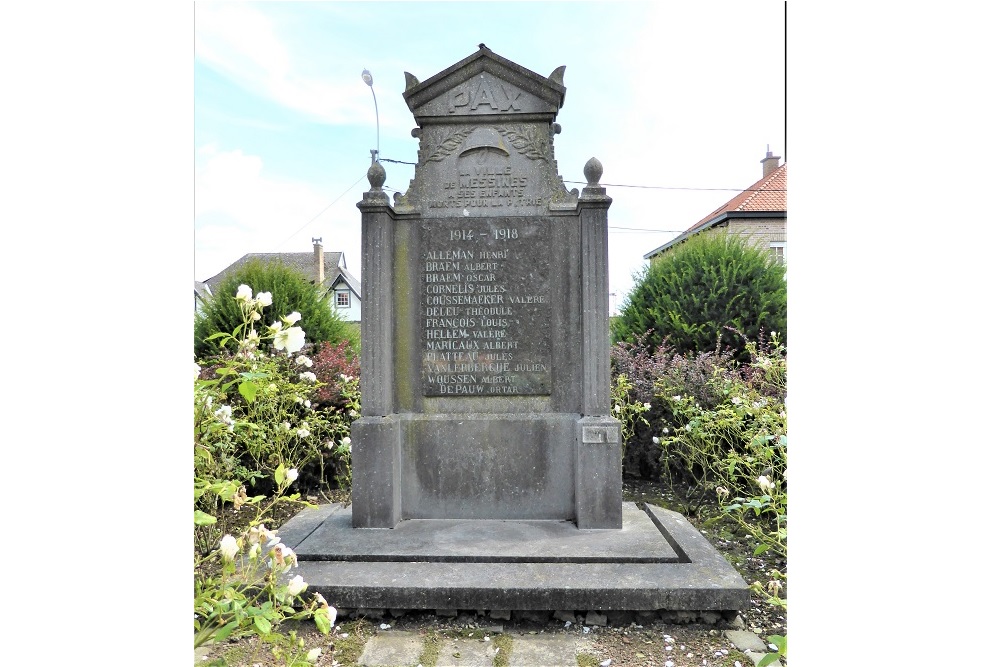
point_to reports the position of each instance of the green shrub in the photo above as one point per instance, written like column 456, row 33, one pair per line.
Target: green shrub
column 290, row 292
column 710, row 282
column 649, row 373
column 736, row 449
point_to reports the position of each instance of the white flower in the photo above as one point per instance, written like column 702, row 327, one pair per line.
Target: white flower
column 264, row 298
column 656, row 440
column 286, row 425
column 677, row 397
column 244, row 293
column 687, row 427
column 321, row 599
column 274, row 327
column 313, row 655
column 737, row 400
column 307, row 376
column 308, row 403
column 303, row 360
column 260, row 534
column 254, row 551
column 765, row 483
column 292, row 474
column 329, row 444
column 352, row 412
column 666, row 430
column 228, row 547
column 618, row 408
column 292, row 317
column 296, row 585
column 281, row 554
column 291, row 339
column 346, row 441
column 302, row 432
column 197, row 371
column 255, row 316
column 646, row 406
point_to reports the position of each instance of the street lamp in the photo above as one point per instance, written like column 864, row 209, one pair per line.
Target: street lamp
column 366, row 76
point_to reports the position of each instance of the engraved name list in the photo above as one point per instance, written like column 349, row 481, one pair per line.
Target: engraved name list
column 485, row 307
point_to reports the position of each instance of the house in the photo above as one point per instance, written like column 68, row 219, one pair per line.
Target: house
column 758, row 213
column 328, row 269
column 201, row 294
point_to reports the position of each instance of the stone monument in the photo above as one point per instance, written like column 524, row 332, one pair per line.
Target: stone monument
column 486, row 465
column 485, row 368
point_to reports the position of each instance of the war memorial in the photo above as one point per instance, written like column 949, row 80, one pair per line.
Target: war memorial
column 486, row 462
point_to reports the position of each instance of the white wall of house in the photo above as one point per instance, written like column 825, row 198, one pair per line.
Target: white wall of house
column 346, row 303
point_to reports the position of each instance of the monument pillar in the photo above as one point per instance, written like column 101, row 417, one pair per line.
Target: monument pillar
column 598, row 472
column 375, row 437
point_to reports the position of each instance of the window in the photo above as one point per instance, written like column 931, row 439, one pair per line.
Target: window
column 343, row 299
column 778, row 249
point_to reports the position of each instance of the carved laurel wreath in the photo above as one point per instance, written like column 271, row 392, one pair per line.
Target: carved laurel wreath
column 524, row 143
column 449, row 145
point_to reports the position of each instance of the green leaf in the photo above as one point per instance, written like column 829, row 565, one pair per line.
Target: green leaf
column 248, row 390
column 202, row 519
column 767, row 659
column 279, row 474
column 226, row 631
column 780, row 641
column 322, row 622
column 263, row 625
column 761, row 548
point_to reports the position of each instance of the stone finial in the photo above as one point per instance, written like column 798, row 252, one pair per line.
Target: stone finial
column 411, row 81
column 557, row 75
column 376, row 176
column 593, row 170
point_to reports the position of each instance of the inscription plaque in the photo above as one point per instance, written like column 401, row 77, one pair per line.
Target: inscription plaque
column 485, row 306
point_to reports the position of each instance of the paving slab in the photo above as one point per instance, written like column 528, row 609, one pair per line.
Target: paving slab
column 392, row 649
column 549, row 650
column 658, row 562
column 466, row 653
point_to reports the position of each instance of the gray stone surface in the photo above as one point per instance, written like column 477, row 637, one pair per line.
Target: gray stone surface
column 392, row 648
column 548, row 650
column 466, row 653
column 745, row 640
column 700, row 580
column 448, row 540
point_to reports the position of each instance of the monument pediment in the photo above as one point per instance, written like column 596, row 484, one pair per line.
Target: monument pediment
column 483, row 85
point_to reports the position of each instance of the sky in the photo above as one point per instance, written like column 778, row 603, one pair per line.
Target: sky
column 679, row 102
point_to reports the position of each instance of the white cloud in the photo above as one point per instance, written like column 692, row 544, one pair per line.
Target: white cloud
column 241, row 42
column 240, row 209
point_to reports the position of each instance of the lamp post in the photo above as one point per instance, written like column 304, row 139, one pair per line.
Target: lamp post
column 366, row 76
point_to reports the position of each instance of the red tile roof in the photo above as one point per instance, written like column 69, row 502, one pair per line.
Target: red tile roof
column 767, row 194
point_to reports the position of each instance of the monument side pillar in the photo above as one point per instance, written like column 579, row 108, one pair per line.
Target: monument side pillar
column 375, row 437
column 598, row 470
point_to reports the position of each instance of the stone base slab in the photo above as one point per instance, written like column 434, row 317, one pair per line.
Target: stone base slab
column 657, row 561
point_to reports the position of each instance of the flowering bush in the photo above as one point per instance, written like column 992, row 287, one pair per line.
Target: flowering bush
column 737, row 442
column 249, row 591
column 647, row 375
column 628, row 411
column 255, row 424
column 739, row 445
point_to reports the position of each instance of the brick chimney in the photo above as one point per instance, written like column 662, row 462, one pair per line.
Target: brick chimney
column 770, row 162
column 318, row 259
